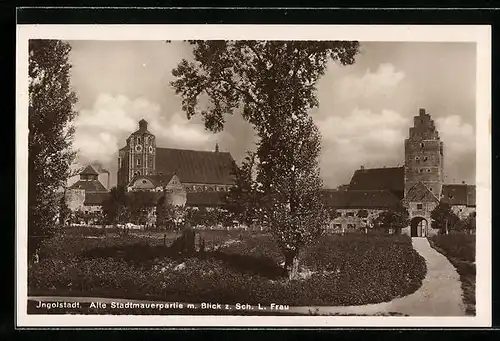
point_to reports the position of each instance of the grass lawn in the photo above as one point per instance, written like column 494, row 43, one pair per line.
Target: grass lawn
column 238, row 267
column 460, row 249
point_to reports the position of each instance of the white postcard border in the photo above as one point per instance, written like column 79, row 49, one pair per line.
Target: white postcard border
column 481, row 35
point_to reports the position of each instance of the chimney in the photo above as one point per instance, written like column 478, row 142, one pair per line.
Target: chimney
column 107, row 177
column 362, row 167
column 216, row 147
column 463, row 182
column 421, row 111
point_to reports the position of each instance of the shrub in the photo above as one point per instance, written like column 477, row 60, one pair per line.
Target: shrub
column 459, row 245
column 346, row 270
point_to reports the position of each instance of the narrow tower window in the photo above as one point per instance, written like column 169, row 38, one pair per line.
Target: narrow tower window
column 138, row 162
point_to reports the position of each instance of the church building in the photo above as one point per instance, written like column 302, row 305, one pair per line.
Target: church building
column 419, row 185
column 191, row 176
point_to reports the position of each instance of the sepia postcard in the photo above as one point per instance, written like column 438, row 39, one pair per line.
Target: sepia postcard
column 253, row 176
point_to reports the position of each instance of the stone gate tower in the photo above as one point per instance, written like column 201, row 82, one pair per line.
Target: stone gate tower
column 138, row 157
column 424, row 155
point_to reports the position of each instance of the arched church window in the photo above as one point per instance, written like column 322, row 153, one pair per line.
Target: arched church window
column 138, row 139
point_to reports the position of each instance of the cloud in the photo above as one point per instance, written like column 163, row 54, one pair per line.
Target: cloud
column 380, row 84
column 101, row 130
column 459, row 141
column 371, row 139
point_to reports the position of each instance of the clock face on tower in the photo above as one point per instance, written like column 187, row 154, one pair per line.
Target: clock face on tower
column 138, row 148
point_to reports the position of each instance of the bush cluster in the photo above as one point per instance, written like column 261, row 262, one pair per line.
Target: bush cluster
column 459, row 245
column 346, row 270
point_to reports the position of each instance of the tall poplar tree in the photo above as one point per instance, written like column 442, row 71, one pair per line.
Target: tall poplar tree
column 51, row 112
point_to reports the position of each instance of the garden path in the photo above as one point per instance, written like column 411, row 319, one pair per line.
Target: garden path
column 439, row 295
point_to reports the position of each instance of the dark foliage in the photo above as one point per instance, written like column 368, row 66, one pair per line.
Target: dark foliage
column 50, row 114
column 346, row 270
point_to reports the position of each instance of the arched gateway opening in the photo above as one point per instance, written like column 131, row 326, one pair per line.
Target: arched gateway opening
column 419, row 227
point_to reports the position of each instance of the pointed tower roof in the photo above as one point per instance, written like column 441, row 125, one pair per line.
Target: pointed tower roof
column 89, row 170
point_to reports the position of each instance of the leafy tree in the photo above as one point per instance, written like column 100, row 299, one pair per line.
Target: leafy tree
column 140, row 204
column 81, row 217
column 444, row 219
column 168, row 216
column 395, row 218
column 363, row 214
column 50, row 113
column 64, row 211
column 470, row 222
column 116, row 207
column 333, row 213
column 242, row 201
column 274, row 83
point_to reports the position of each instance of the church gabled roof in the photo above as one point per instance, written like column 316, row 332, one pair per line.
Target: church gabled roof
column 459, row 194
column 192, row 166
column 420, row 193
column 390, row 178
column 89, row 170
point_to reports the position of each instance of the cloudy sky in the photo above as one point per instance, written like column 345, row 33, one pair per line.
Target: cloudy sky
column 364, row 114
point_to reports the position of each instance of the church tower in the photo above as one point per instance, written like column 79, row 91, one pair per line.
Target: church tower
column 138, row 157
column 424, row 155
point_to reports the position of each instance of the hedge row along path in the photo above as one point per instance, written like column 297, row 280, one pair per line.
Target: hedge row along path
column 439, row 295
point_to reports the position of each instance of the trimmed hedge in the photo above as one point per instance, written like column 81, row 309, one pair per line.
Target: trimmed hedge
column 346, row 270
column 459, row 245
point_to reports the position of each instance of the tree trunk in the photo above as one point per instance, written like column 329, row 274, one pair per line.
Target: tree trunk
column 292, row 265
